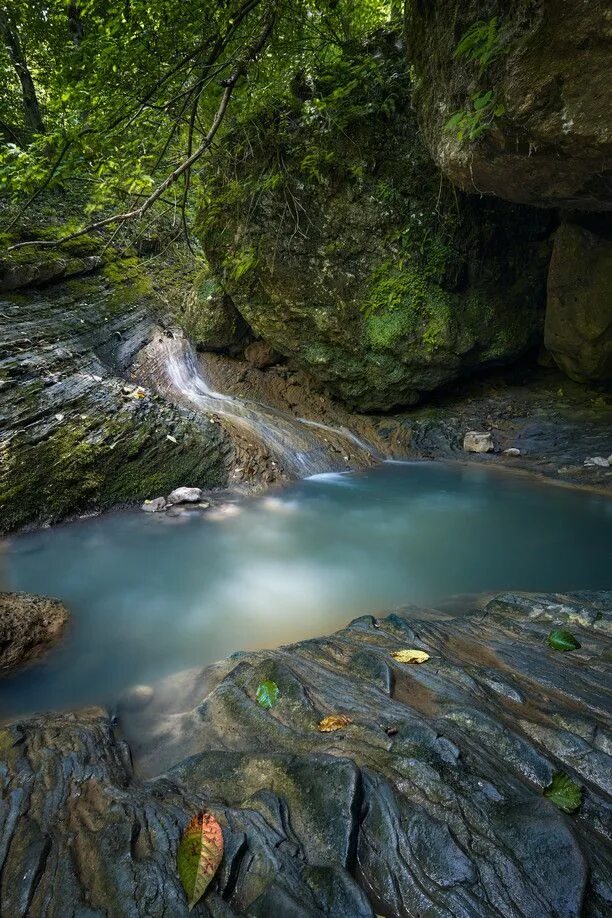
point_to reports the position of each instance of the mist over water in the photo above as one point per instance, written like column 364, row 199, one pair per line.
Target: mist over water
column 151, row 594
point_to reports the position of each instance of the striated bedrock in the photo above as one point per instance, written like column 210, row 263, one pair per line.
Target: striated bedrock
column 578, row 327
column 533, row 85
column 29, row 626
column 430, row 802
column 75, row 436
column 345, row 250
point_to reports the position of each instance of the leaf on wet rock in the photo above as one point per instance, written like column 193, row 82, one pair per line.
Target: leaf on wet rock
column 333, row 722
column 564, row 792
column 563, row 640
column 410, row 656
column 267, row 693
column 199, row 855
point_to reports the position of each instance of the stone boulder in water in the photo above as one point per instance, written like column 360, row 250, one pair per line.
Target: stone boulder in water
column 345, row 250
column 29, row 626
column 431, row 801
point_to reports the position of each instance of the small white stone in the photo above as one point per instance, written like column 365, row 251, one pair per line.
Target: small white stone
column 478, row 442
column 597, row 461
column 155, row 505
column 184, row 496
column 513, row 451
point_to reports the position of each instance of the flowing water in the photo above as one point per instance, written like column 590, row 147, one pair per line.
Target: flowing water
column 152, row 594
column 295, row 442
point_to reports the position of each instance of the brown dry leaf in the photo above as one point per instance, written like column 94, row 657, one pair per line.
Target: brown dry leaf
column 333, row 722
column 410, row 656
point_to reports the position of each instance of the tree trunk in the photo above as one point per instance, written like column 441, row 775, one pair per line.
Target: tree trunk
column 31, row 111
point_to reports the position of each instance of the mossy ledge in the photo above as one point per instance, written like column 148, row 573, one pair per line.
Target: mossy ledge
column 343, row 247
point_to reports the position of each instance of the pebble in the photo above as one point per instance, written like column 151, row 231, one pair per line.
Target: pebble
column 184, row 496
column 598, row 461
column 155, row 505
column 513, row 451
column 478, row 442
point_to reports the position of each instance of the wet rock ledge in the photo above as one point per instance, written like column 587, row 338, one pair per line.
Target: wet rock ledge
column 429, row 803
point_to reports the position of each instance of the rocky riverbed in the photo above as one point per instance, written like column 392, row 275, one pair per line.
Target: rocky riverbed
column 430, row 801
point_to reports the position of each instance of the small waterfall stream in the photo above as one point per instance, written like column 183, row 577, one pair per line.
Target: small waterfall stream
column 294, row 442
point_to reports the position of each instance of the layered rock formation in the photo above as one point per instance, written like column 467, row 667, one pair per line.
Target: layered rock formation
column 76, row 436
column 345, row 250
column 431, row 801
column 533, row 82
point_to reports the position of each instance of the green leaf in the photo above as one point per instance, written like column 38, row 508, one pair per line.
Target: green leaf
column 563, row 640
column 267, row 693
column 199, row 854
column 482, row 100
column 564, row 792
column 454, row 120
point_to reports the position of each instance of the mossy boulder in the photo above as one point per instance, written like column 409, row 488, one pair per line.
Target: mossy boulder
column 344, row 248
column 29, row 626
column 578, row 329
column 210, row 318
column 532, row 79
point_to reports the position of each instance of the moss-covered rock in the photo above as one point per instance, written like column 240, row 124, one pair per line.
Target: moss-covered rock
column 578, row 329
column 210, row 318
column 344, row 249
column 513, row 96
column 74, row 437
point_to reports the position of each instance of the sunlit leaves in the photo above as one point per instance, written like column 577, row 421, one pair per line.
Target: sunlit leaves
column 410, row 655
column 121, row 96
column 333, row 722
column 267, row 694
column 564, row 792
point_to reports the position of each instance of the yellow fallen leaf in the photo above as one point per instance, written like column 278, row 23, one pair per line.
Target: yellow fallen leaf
column 333, row 722
column 410, row 656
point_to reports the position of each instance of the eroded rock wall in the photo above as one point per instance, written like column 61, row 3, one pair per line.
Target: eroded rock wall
column 75, row 436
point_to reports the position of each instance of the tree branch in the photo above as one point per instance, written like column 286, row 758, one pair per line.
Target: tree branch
column 251, row 53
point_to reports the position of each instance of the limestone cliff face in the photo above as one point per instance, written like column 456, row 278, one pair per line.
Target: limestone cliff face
column 343, row 247
column 545, row 67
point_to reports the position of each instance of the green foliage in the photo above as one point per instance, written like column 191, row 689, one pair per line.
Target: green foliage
column 562, row 640
column 564, row 792
column 126, row 89
column 481, row 44
column 267, row 694
column 472, row 123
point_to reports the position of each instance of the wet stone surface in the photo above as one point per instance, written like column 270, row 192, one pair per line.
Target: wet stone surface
column 429, row 803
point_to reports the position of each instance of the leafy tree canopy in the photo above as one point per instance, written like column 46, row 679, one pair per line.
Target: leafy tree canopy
column 120, row 99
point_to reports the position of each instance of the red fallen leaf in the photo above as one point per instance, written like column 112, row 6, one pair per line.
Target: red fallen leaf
column 199, row 854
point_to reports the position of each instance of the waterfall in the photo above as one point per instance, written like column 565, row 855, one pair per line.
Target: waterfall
column 293, row 442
